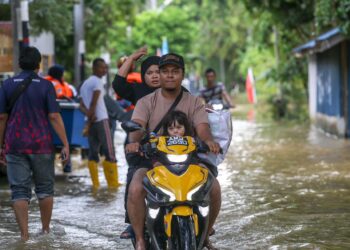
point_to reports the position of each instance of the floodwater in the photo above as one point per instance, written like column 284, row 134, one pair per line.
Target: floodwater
column 284, row 186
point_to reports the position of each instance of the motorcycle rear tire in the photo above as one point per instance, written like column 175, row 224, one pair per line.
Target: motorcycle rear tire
column 183, row 235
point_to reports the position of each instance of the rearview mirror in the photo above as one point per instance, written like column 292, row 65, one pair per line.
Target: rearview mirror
column 130, row 126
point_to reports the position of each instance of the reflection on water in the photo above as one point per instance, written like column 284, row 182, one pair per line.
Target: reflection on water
column 284, row 186
column 288, row 187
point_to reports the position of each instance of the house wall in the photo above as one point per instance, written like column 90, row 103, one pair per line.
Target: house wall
column 45, row 42
column 312, row 69
column 329, row 105
column 329, row 82
column 6, row 48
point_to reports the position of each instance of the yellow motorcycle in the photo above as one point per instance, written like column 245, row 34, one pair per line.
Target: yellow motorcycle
column 177, row 192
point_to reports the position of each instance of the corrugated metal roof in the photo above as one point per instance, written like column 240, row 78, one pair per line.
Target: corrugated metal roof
column 321, row 43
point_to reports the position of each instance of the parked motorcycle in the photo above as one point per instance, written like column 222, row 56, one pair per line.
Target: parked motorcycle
column 177, row 189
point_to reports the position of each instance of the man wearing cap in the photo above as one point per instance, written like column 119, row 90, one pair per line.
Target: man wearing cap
column 148, row 112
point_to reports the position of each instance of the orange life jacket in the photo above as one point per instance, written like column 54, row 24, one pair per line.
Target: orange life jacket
column 62, row 89
column 134, row 77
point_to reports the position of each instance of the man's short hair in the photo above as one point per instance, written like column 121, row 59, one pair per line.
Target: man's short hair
column 29, row 58
column 210, row 70
column 96, row 61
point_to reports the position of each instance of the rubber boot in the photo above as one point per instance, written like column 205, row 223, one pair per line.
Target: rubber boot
column 93, row 168
column 111, row 173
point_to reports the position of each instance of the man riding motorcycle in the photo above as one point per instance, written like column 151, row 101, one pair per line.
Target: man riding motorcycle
column 215, row 92
column 149, row 112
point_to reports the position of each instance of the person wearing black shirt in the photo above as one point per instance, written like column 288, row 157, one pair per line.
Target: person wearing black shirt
column 133, row 92
column 149, row 74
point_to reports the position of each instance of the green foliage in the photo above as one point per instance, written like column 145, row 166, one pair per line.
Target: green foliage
column 5, row 12
column 242, row 34
column 329, row 14
column 224, row 33
column 105, row 25
column 285, row 24
column 64, row 55
column 261, row 60
column 343, row 14
column 173, row 23
column 51, row 15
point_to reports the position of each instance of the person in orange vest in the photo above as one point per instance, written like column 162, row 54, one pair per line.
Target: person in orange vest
column 63, row 91
column 62, row 88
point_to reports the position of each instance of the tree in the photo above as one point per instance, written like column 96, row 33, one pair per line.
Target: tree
column 5, row 12
column 106, row 23
column 329, row 14
column 51, row 15
column 173, row 23
column 290, row 22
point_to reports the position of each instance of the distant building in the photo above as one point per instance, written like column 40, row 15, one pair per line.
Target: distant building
column 329, row 81
column 6, row 47
column 44, row 42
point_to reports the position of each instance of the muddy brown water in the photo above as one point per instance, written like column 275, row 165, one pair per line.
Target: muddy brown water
column 284, row 186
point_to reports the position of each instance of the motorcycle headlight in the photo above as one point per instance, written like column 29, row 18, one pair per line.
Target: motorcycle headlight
column 167, row 192
column 153, row 212
column 192, row 192
column 177, row 158
column 204, row 210
column 218, row 106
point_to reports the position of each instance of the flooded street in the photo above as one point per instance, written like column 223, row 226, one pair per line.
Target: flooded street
column 284, row 186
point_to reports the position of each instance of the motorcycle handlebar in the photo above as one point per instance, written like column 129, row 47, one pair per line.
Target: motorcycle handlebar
column 205, row 149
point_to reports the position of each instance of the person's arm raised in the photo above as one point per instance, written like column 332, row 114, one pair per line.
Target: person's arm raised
column 125, row 68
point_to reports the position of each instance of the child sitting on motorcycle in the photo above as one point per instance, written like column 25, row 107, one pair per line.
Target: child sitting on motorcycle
column 175, row 124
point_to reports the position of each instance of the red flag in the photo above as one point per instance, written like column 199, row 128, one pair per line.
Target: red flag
column 250, row 87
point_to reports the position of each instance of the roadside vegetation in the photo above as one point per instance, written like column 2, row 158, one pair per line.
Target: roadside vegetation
column 230, row 36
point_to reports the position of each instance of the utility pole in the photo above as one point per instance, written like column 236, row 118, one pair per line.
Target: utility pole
column 79, row 43
column 24, row 22
column 20, row 30
column 14, row 6
column 15, row 33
